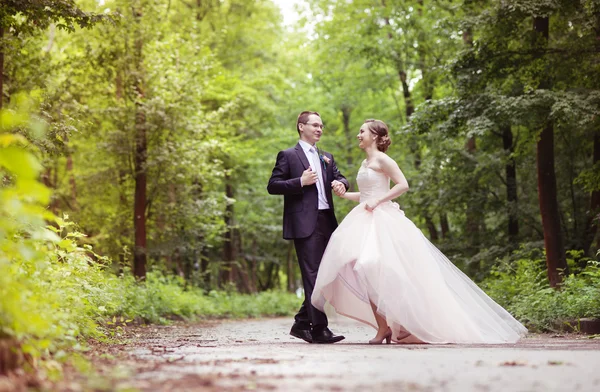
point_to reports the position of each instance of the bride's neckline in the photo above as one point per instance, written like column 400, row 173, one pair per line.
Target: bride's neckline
column 366, row 166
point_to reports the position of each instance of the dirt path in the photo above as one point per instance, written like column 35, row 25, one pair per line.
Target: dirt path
column 251, row 355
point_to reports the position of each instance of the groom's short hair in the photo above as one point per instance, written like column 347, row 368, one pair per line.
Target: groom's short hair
column 303, row 118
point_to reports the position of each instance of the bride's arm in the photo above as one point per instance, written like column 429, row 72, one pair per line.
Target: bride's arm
column 391, row 169
column 354, row 196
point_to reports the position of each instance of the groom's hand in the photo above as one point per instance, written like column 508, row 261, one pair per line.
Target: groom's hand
column 309, row 177
column 338, row 188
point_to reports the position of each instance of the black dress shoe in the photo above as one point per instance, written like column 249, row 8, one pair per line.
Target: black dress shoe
column 325, row 336
column 301, row 333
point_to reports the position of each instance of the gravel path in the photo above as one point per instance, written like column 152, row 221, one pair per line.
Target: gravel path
column 247, row 355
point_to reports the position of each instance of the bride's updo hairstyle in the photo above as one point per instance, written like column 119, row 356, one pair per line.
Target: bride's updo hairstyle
column 379, row 129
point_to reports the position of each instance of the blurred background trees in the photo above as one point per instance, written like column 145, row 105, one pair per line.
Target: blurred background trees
column 164, row 119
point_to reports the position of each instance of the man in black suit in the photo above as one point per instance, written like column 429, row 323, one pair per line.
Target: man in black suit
column 305, row 177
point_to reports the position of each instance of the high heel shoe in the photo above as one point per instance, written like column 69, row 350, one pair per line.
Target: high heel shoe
column 387, row 337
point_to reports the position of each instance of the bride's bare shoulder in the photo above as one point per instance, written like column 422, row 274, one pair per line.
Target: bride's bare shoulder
column 385, row 159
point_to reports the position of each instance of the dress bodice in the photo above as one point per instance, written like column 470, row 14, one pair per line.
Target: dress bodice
column 371, row 183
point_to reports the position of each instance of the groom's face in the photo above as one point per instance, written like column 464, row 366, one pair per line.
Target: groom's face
column 313, row 129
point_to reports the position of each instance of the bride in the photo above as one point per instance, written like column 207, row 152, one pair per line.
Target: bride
column 380, row 269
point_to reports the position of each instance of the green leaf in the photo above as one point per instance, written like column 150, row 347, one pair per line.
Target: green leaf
column 19, row 162
column 67, row 245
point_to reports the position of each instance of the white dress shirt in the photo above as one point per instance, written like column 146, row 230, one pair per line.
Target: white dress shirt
column 315, row 163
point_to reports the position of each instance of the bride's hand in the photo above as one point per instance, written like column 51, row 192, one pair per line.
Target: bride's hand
column 371, row 204
column 338, row 188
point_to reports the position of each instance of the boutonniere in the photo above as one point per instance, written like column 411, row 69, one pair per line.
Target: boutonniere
column 326, row 161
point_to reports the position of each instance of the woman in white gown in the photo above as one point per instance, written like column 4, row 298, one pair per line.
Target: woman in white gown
column 380, row 269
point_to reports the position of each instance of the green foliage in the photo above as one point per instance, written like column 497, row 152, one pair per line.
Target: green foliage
column 26, row 16
column 55, row 292
column 519, row 284
column 217, row 85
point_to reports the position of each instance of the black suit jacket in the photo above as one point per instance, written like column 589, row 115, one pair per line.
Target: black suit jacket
column 301, row 204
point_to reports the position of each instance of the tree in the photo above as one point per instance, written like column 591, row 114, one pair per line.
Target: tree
column 38, row 15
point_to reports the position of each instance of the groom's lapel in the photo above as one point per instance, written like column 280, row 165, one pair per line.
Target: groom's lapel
column 302, row 156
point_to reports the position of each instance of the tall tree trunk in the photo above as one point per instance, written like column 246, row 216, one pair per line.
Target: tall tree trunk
column 553, row 241
column 547, row 194
column 69, row 168
column 1, row 65
column 346, row 112
column 473, row 212
column 410, row 108
column 511, row 185
column 140, row 162
column 593, row 215
column 47, row 176
column 230, row 272
column 428, row 88
column 444, row 225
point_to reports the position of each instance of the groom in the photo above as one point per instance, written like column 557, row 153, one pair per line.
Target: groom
column 305, row 177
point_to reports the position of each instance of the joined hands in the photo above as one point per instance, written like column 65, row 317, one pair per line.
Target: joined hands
column 338, row 188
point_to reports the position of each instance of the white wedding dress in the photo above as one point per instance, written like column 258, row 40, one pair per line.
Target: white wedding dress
column 382, row 257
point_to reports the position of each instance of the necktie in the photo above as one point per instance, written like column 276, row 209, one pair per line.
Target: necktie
column 316, row 166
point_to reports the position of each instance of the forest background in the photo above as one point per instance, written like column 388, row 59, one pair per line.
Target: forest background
column 138, row 137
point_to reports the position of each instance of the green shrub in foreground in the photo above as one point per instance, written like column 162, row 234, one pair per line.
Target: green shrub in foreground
column 521, row 286
column 48, row 302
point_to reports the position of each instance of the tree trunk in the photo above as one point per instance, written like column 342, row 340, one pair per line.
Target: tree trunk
column 428, row 86
column 410, row 108
column 346, row 112
column 553, row 241
column 47, row 180
column 230, row 273
column 593, row 215
column 1, row 65
column 140, row 161
column 444, row 224
column 547, row 194
column 69, row 168
column 511, row 185
column 474, row 211
column 433, row 234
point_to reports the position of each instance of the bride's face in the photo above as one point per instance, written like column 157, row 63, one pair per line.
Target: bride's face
column 365, row 137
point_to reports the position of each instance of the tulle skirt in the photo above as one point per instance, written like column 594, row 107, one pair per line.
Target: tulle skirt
column 383, row 258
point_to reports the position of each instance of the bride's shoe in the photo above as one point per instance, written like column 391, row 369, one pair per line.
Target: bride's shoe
column 387, row 337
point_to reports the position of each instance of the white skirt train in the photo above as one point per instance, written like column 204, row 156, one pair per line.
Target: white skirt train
column 383, row 258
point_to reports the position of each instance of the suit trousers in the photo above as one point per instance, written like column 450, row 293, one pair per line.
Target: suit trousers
column 310, row 251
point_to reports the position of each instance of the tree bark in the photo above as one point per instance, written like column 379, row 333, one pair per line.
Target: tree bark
column 346, row 113
column 1, row 65
column 511, row 185
column 231, row 272
column 547, row 194
column 593, row 214
column 474, row 211
column 69, row 168
column 140, row 162
column 553, row 241
column 47, row 176
column 444, row 225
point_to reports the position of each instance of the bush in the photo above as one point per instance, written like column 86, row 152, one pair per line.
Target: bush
column 520, row 285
